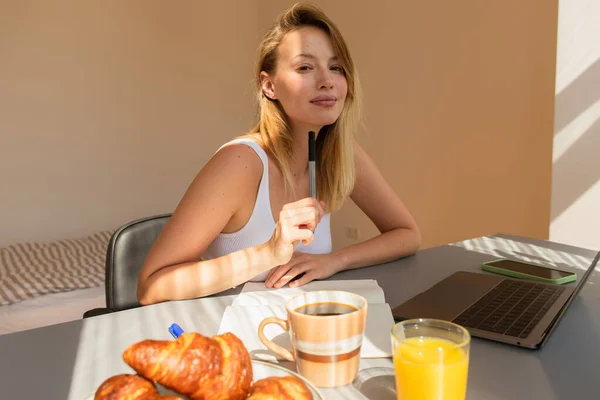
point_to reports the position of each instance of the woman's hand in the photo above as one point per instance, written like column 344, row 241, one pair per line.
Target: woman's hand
column 297, row 222
column 313, row 266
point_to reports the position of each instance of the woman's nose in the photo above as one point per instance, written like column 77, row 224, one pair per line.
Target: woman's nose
column 325, row 80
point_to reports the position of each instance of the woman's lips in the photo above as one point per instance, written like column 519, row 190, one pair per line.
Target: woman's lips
column 324, row 103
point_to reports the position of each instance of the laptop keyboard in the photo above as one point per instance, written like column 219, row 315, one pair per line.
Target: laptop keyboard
column 512, row 308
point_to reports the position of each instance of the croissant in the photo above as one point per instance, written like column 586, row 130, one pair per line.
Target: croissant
column 128, row 387
column 274, row 387
column 202, row 368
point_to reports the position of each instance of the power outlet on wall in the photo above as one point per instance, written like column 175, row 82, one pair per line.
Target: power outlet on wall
column 352, row 232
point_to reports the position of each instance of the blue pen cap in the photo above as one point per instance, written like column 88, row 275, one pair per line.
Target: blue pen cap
column 175, row 330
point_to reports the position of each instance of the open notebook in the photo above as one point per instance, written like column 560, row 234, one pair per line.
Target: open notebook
column 256, row 303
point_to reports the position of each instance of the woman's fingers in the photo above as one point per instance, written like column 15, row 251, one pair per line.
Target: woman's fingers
column 297, row 222
column 308, row 277
column 306, row 217
column 291, row 274
column 277, row 274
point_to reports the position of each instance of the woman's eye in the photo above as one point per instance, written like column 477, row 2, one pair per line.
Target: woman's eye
column 337, row 68
column 304, row 68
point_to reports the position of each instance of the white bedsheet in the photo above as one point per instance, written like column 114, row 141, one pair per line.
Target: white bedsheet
column 50, row 309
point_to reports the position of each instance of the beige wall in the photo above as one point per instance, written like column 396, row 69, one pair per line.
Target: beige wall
column 108, row 111
column 459, row 103
column 576, row 173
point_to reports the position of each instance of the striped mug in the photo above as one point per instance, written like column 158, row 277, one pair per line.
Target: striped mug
column 326, row 329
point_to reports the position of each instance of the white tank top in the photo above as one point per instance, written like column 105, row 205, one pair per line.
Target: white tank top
column 261, row 224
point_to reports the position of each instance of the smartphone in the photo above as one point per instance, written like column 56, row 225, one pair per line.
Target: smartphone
column 524, row 270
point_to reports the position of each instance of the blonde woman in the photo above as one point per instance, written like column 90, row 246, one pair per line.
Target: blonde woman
column 248, row 214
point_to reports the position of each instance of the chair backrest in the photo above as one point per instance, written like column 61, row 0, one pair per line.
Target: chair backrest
column 127, row 250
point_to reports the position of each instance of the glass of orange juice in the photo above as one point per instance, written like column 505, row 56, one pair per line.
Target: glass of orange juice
column 431, row 359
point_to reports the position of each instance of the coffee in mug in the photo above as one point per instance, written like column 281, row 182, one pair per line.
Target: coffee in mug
column 326, row 309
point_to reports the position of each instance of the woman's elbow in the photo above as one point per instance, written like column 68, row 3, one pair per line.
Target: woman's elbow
column 142, row 293
column 415, row 242
column 147, row 290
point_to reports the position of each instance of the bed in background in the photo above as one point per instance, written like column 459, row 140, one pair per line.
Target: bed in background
column 45, row 284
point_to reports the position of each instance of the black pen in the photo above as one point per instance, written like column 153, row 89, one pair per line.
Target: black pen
column 311, row 164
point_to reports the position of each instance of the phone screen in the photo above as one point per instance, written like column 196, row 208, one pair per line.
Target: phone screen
column 534, row 270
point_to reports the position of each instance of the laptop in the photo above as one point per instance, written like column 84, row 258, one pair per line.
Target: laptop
column 508, row 310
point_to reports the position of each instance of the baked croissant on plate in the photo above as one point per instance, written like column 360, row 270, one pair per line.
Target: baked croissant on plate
column 128, row 387
column 202, row 368
column 275, row 387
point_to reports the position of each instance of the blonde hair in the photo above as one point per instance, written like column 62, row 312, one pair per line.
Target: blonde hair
column 335, row 172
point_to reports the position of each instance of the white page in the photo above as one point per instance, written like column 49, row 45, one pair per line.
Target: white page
column 255, row 293
column 243, row 321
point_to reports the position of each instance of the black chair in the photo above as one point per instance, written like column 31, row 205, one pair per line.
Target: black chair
column 127, row 250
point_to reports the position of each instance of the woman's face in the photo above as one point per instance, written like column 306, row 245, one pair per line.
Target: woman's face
column 309, row 81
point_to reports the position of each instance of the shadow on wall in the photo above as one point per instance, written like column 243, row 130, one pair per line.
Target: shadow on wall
column 578, row 169
column 578, row 96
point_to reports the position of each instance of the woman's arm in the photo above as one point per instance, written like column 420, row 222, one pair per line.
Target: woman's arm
column 189, row 280
column 400, row 235
column 172, row 270
column 228, row 181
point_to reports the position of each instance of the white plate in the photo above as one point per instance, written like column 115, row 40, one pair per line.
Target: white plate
column 260, row 370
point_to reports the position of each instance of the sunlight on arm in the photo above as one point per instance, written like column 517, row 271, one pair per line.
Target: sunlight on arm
column 204, row 278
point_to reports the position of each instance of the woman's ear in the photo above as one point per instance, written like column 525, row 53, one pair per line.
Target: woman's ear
column 267, row 85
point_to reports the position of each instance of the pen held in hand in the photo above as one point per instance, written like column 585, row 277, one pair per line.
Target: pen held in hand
column 311, row 164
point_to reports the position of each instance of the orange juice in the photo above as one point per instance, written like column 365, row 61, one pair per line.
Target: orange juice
column 430, row 368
